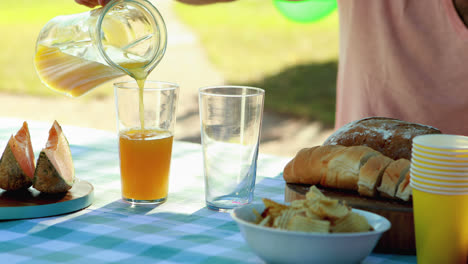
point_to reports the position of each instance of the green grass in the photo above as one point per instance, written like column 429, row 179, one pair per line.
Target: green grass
column 252, row 44
column 17, row 74
column 20, row 24
column 247, row 40
column 34, row 11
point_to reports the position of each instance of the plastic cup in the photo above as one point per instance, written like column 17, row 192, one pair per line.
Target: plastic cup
column 231, row 119
column 441, row 229
column 439, row 183
column 461, row 189
column 443, row 153
column 445, row 158
column 437, row 168
column 442, row 142
column 446, row 163
column 444, row 174
column 438, row 177
column 426, row 189
column 442, row 180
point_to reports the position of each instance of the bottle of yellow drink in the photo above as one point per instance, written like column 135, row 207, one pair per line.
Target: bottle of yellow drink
column 76, row 53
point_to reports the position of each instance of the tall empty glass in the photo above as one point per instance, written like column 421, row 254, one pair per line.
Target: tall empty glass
column 76, row 53
column 145, row 142
column 231, row 120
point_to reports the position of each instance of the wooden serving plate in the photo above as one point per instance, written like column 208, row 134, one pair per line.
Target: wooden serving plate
column 31, row 203
column 398, row 240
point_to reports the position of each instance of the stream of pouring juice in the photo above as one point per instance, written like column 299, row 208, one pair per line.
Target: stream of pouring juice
column 145, row 153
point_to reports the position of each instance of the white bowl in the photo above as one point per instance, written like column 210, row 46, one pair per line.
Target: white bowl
column 281, row 246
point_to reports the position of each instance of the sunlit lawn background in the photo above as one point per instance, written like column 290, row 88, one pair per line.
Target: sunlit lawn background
column 20, row 23
column 248, row 41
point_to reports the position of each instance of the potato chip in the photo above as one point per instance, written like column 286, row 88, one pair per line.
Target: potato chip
column 265, row 221
column 258, row 216
column 273, row 208
column 314, row 194
column 298, row 203
column 305, row 224
column 330, row 209
column 282, row 221
column 317, row 213
column 328, row 201
column 353, row 222
column 272, row 204
column 301, row 211
column 310, row 214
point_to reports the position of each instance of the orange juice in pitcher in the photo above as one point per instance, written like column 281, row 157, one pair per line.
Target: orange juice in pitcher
column 70, row 74
column 76, row 53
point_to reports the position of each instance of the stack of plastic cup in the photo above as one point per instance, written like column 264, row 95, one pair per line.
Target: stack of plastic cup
column 439, row 181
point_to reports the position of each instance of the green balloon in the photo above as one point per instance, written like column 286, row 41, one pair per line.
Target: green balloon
column 305, row 11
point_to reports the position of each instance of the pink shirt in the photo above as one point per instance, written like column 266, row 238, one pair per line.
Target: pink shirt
column 406, row 59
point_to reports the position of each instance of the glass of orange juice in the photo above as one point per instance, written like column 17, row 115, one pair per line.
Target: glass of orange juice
column 146, row 119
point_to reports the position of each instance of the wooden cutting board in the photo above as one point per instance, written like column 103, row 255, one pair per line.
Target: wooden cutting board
column 398, row 240
column 31, row 203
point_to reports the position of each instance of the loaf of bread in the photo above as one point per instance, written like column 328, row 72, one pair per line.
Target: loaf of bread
column 358, row 168
column 391, row 137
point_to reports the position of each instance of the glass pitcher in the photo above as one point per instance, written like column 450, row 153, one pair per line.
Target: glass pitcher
column 76, row 53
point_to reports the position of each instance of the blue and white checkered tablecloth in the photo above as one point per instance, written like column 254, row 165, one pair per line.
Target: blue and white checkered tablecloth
column 182, row 230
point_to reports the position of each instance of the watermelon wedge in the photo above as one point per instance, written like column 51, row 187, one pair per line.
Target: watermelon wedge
column 54, row 169
column 17, row 162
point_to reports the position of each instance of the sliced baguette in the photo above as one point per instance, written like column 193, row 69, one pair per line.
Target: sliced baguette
column 309, row 164
column 299, row 168
column 393, row 176
column 357, row 168
column 370, row 174
column 343, row 169
column 404, row 189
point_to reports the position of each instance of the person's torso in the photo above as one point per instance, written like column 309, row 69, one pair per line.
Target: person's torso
column 403, row 59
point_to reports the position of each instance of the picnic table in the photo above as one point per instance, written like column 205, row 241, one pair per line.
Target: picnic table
column 182, row 230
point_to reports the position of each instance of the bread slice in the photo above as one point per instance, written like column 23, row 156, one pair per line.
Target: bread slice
column 370, row 174
column 404, row 191
column 298, row 167
column 323, row 155
column 343, row 169
column 309, row 164
column 393, row 176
